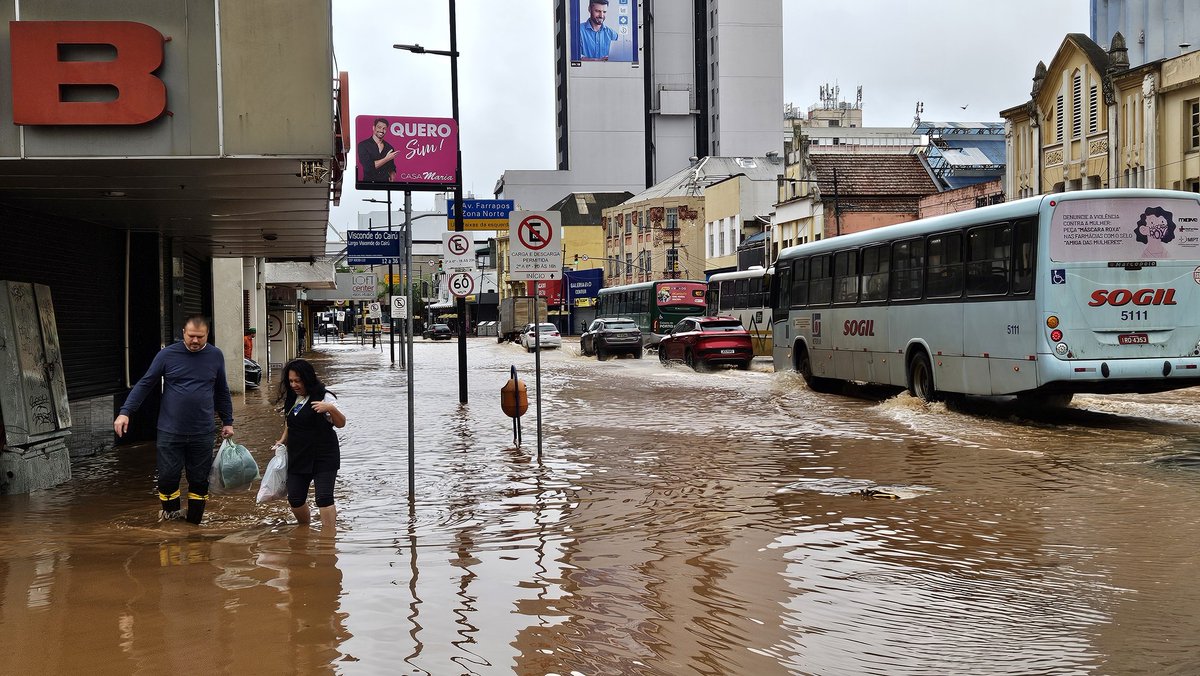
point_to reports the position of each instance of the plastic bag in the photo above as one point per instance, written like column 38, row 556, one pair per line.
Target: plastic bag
column 274, row 481
column 234, row 466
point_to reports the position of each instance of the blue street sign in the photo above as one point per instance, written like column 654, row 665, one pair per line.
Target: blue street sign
column 372, row 247
column 483, row 209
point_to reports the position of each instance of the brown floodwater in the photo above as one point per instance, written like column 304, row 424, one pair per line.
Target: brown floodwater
column 677, row 522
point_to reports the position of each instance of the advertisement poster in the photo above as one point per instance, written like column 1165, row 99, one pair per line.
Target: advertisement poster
column 405, row 153
column 1125, row 229
column 604, row 30
column 681, row 293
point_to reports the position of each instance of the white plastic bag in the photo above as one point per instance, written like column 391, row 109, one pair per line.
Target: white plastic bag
column 274, row 482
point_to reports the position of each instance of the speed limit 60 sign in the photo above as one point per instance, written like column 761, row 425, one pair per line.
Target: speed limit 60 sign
column 461, row 284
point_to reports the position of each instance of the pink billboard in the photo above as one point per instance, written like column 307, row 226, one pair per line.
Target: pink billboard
column 405, row 153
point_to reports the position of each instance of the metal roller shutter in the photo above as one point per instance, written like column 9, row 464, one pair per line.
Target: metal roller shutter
column 83, row 265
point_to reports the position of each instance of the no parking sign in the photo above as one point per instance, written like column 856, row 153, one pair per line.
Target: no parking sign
column 535, row 245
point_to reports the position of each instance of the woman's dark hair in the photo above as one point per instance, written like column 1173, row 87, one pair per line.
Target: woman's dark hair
column 308, row 375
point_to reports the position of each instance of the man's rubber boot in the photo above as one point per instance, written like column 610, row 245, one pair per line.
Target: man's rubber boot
column 196, row 505
column 170, row 507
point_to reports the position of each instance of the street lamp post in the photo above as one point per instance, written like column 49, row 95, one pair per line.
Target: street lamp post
column 461, row 305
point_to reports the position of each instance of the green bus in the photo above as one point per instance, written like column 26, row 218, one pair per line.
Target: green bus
column 655, row 306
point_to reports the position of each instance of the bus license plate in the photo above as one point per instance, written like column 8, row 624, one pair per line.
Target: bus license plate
column 728, row 351
column 1133, row 339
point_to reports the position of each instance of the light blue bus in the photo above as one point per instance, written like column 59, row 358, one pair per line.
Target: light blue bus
column 1093, row 291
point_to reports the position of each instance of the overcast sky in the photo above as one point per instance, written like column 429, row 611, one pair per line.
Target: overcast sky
column 946, row 53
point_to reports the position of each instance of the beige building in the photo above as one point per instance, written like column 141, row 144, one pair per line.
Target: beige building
column 666, row 232
column 1093, row 122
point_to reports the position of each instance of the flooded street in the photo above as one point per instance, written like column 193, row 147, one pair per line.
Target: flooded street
column 678, row 522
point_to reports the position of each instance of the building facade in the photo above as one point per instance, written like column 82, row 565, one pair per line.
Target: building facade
column 139, row 205
column 1094, row 122
column 699, row 77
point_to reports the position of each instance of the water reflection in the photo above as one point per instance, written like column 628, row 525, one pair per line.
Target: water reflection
column 677, row 522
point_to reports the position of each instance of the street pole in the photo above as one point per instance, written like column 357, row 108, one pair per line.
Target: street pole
column 408, row 340
column 392, row 320
column 458, row 207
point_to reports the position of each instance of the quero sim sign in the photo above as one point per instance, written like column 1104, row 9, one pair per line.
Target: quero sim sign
column 1119, row 297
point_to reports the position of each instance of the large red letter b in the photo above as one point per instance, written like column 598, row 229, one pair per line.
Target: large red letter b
column 38, row 75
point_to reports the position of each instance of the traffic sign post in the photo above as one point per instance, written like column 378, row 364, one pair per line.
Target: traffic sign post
column 458, row 253
column 399, row 307
column 461, row 284
column 535, row 245
column 481, row 214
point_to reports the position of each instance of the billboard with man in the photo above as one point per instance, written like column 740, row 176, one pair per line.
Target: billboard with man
column 405, row 153
column 604, row 30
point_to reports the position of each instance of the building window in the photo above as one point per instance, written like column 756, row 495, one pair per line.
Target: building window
column 1193, row 123
column 1058, row 119
column 1077, row 106
column 628, row 224
column 628, row 263
column 1093, row 111
column 672, row 218
column 672, row 260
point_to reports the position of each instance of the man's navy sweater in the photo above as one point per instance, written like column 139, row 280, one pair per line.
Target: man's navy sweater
column 194, row 389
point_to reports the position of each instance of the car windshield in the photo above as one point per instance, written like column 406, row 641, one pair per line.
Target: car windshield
column 620, row 326
column 731, row 325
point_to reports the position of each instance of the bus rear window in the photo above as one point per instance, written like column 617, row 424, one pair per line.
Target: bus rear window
column 1125, row 229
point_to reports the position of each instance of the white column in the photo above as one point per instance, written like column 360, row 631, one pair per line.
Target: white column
column 227, row 318
column 1149, row 131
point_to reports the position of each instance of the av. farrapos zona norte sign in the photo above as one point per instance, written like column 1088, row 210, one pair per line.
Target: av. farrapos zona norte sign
column 535, row 245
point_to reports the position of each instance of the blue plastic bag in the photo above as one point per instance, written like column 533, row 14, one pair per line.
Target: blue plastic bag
column 234, row 467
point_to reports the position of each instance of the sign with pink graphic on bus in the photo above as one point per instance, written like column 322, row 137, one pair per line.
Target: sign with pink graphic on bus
column 681, row 293
column 1125, row 229
column 405, row 153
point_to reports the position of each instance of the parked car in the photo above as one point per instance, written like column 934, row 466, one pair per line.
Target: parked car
column 437, row 332
column 611, row 336
column 549, row 337
column 708, row 341
column 328, row 329
column 253, row 372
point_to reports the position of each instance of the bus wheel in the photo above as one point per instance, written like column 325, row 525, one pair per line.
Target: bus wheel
column 804, row 366
column 920, row 378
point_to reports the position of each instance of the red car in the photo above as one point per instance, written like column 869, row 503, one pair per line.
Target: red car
column 707, row 341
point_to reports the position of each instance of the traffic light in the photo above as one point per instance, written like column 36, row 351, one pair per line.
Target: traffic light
column 440, row 270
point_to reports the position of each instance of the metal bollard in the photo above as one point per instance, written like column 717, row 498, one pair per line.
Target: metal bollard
column 514, row 401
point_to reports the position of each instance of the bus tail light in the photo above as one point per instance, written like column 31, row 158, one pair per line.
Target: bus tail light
column 1056, row 335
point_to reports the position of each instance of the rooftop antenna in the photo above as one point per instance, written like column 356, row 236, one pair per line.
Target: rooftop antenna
column 920, row 109
column 858, row 99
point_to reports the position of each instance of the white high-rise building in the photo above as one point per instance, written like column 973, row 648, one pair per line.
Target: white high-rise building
column 1153, row 29
column 682, row 79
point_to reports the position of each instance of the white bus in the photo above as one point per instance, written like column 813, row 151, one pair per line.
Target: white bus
column 1092, row 291
column 744, row 294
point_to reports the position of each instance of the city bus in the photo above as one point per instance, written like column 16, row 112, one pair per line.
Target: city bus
column 655, row 306
column 1094, row 291
column 744, row 294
